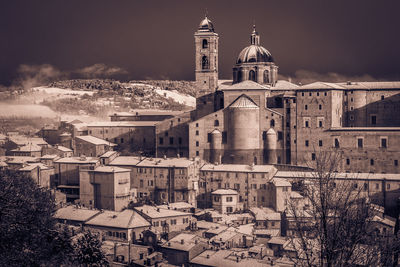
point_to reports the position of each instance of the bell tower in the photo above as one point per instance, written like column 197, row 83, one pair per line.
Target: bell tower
column 206, row 70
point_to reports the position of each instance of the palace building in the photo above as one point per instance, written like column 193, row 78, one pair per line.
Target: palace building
column 258, row 119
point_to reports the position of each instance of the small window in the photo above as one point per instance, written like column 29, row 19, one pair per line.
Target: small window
column 312, row 156
column 197, row 153
column 348, row 161
column 360, row 143
column 373, row 120
column 302, row 94
column 161, row 141
column 384, row 143
column 122, row 140
column 388, row 186
column 180, row 140
column 171, row 140
column 382, row 97
column 305, row 107
column 205, row 43
column 216, row 123
column 197, row 143
column 337, row 144
column 320, row 143
column 320, row 107
column 371, row 162
column 307, row 124
column 325, row 94
column 320, row 124
column 197, row 125
column 310, row 94
column 197, row 132
column 396, row 162
column 317, row 93
column 306, row 143
column 365, row 186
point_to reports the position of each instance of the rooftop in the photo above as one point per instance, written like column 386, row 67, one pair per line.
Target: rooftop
column 28, row 148
column 18, row 159
column 262, row 214
column 245, row 85
column 124, row 219
column 176, row 206
column 74, row 213
column 168, row 162
column 154, row 212
column 32, row 166
column 183, row 242
column 225, row 192
column 280, row 182
column 63, row 149
column 108, row 154
column 77, row 160
column 146, row 112
column 351, row 85
column 223, row 236
column 125, row 161
column 122, row 124
column 111, row 169
column 238, row 168
column 243, row 101
column 344, row 176
column 94, row 140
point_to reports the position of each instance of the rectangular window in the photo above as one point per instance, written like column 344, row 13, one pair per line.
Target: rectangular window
column 171, row 140
column 348, row 161
column 396, row 162
column 371, row 162
column 337, row 143
column 197, row 153
column 280, row 135
column 365, row 186
column 320, row 143
column 306, row 143
column 320, row 107
column 383, row 142
column 161, row 141
column 197, row 132
column 180, row 140
column 320, row 124
column 224, row 137
column 312, row 156
column 197, row 143
column 307, row 124
column 373, row 120
column 305, row 107
column 360, row 143
column 388, row 186
column 209, row 137
column 229, row 199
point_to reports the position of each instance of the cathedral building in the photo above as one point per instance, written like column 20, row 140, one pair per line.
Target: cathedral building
column 258, row 119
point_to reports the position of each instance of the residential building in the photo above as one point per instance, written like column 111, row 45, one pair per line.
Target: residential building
column 225, row 200
column 91, row 146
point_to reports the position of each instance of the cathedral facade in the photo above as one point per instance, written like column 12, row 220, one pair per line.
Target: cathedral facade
column 258, row 119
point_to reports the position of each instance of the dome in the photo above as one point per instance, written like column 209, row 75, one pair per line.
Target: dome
column 254, row 53
column 206, row 25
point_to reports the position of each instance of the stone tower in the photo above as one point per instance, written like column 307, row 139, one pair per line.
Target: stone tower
column 206, row 42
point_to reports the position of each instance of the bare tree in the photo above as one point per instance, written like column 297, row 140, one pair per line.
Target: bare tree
column 333, row 225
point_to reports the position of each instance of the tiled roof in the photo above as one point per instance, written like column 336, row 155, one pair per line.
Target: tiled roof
column 243, row 101
column 75, row 214
column 154, row 212
column 94, row 140
column 245, row 85
column 225, row 192
column 110, row 169
column 108, row 154
column 146, row 112
column 82, row 160
column 238, row 168
column 122, row 124
column 125, row 161
column 168, row 162
column 280, row 182
column 183, row 242
column 176, row 205
column 32, row 166
column 350, row 176
column 125, row 219
column 28, row 148
column 284, row 85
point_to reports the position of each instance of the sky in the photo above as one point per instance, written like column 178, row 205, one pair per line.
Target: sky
column 128, row 39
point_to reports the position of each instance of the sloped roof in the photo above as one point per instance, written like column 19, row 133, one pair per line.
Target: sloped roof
column 73, row 160
column 183, row 242
column 124, row 219
column 28, row 148
column 75, row 214
column 243, row 101
column 154, row 212
column 245, row 85
column 225, row 192
column 238, row 168
column 125, row 161
column 111, row 169
column 32, row 166
column 168, row 162
column 94, row 140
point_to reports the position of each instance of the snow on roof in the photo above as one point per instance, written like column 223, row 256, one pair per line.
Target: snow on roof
column 154, row 212
column 126, row 219
column 125, row 161
column 280, row 182
column 122, row 124
column 94, row 140
column 238, row 168
column 225, row 192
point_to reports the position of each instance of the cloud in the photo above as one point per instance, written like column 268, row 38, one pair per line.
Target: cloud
column 34, row 75
column 307, row 76
column 100, row 70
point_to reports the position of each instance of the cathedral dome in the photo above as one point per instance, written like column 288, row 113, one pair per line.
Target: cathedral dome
column 254, row 53
column 206, row 25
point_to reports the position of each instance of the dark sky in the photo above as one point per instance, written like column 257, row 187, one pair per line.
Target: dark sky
column 154, row 39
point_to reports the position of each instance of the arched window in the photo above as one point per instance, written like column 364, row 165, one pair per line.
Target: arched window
column 272, row 123
column 266, row 76
column 252, row 75
column 205, row 43
column 204, row 63
column 255, row 160
column 216, row 123
column 239, row 76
